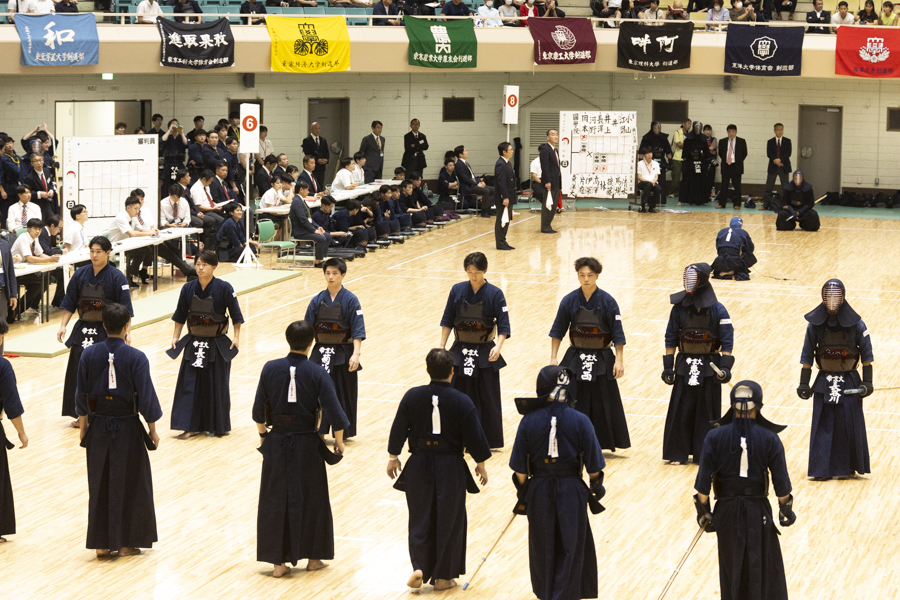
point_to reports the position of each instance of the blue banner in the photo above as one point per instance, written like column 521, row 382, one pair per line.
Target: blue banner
column 763, row 51
column 57, row 40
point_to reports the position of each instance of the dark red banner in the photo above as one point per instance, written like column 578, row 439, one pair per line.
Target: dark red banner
column 563, row 41
column 867, row 52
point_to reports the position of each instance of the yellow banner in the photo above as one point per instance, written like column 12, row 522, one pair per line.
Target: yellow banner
column 309, row 45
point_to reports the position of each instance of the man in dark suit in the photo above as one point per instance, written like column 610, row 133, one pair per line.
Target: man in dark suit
column 41, row 181
column 778, row 149
column 316, row 145
column 505, row 183
column 49, row 236
column 388, row 9
column 468, row 186
column 9, row 287
column 373, row 147
column 551, row 180
column 218, row 187
column 732, row 153
column 308, row 175
column 414, row 147
column 263, row 176
column 210, row 152
column 818, row 17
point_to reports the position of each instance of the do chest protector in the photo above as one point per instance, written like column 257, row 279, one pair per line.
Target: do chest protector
column 698, row 334
column 330, row 327
column 92, row 302
column 837, row 351
column 589, row 331
column 203, row 321
column 471, row 326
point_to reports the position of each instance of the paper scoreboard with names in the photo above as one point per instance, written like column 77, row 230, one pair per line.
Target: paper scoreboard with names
column 597, row 152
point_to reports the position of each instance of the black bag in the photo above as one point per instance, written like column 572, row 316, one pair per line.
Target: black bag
column 832, row 198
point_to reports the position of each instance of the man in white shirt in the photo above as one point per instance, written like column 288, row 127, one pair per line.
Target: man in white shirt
column 487, row 10
column 22, row 211
column 648, row 180
column 27, row 250
column 37, row 7
column 147, row 11
column 842, row 16
column 175, row 210
column 73, row 236
column 344, row 179
column 359, row 175
column 274, row 195
column 204, row 203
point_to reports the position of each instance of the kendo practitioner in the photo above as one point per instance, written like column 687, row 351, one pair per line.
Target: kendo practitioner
column 11, row 406
column 797, row 206
column 11, row 171
column 337, row 317
column 700, row 328
column 591, row 317
column 695, row 163
column 658, row 143
column 836, row 338
column 294, row 520
column 553, row 445
column 735, row 252
column 737, row 457
column 9, row 285
column 476, row 312
column 93, row 287
column 439, row 422
column 202, row 401
column 114, row 387
column 173, row 144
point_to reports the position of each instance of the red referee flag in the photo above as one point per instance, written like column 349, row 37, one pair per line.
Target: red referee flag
column 867, row 52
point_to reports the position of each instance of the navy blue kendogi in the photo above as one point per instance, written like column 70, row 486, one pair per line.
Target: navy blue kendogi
column 836, row 340
column 475, row 318
column 88, row 294
column 11, row 406
column 121, row 512
column 294, row 520
column 337, row 323
column 436, row 476
column 737, row 457
column 202, row 399
column 735, row 252
column 699, row 327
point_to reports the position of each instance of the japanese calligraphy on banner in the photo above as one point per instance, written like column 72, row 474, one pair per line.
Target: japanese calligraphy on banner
column 563, row 41
column 317, row 45
column 196, row 45
column 53, row 40
column 866, row 52
column 441, row 44
column 662, row 47
column 763, row 51
column 597, row 153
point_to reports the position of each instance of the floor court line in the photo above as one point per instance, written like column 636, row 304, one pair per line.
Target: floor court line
column 680, row 221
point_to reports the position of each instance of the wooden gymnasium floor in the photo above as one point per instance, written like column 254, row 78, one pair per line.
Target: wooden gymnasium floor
column 842, row 545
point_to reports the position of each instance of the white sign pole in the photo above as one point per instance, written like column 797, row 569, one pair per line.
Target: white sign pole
column 510, row 112
column 249, row 144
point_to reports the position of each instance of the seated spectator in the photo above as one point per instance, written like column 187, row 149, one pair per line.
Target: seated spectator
column 304, row 228
column 388, row 9
column 344, row 231
column 447, row 184
column 350, row 3
column 676, row 12
column 37, row 7
column 360, row 159
column 22, row 211
column 343, row 179
column 293, row 3
column 456, row 8
column 27, row 250
column 274, row 195
column 120, row 128
column 508, row 13
column 818, row 16
column 175, row 210
column 398, row 209
column 530, row 10
column 418, row 214
column 843, row 16
column 186, row 6
column 648, row 180
column 282, row 163
column 140, row 131
column 784, row 6
column 551, row 10
column 73, row 237
column 148, row 11
column 489, row 14
column 435, row 212
column 868, row 15
column 742, row 13
column 716, row 13
column 887, row 17
column 399, row 174
column 231, row 237
column 43, row 184
column 653, row 12
column 66, row 6
column 212, row 215
column 252, row 7
column 49, row 237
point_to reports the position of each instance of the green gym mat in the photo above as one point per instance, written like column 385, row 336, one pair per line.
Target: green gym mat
column 42, row 342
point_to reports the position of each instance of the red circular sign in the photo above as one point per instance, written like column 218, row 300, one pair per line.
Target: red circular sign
column 249, row 123
column 512, row 100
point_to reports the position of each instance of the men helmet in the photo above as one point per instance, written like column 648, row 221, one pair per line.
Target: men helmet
column 832, row 296
column 690, row 279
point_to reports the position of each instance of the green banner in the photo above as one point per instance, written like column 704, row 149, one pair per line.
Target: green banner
column 442, row 44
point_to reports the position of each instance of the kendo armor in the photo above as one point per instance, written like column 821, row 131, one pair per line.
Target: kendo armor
column 832, row 297
column 698, row 334
column 589, row 331
column 471, row 326
column 837, row 352
column 92, row 302
column 740, row 487
column 203, row 321
column 330, row 327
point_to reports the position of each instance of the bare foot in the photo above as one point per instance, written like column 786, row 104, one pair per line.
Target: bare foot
column 129, row 551
column 3, row 541
column 103, row 554
column 674, row 463
column 75, row 424
column 281, row 570
column 186, row 435
column 444, row 584
column 415, row 580
column 315, row 565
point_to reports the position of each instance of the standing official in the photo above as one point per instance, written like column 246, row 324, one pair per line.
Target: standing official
column 439, row 422
column 694, row 166
column 837, row 339
column 677, row 156
column 550, row 180
column 202, row 401
column 10, row 169
column 505, row 186
column 554, row 444
column 592, row 318
column 699, row 326
column 778, row 150
column 294, row 519
column 9, row 287
column 476, row 312
column 11, row 406
column 91, row 289
column 736, row 460
column 373, row 147
column 114, row 387
column 735, row 252
column 732, row 153
column 414, row 146
column 337, row 318
column 316, row 145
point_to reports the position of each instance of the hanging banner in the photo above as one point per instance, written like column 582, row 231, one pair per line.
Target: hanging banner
column 563, row 41
column 54, row 40
column 763, row 51
column 662, row 47
column 196, row 45
column 441, row 44
column 867, row 52
column 317, row 45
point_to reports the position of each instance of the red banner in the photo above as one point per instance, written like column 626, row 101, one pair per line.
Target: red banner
column 867, row 52
column 563, row 41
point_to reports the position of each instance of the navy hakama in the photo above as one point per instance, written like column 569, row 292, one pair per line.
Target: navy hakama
column 11, row 406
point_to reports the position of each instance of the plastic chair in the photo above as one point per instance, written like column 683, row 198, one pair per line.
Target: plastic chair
column 266, row 229
column 356, row 22
column 291, row 11
column 274, row 10
column 210, row 10
column 314, row 10
column 335, row 11
column 167, row 9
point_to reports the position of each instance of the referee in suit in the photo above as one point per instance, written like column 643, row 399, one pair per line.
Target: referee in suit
column 316, row 145
column 505, row 186
column 551, row 180
column 373, row 147
column 732, row 153
column 414, row 146
column 778, row 150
